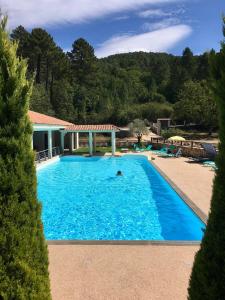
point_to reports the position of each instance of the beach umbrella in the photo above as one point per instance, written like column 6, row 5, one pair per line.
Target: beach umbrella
column 176, row 138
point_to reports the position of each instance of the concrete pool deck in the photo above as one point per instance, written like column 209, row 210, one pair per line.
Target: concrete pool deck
column 153, row 272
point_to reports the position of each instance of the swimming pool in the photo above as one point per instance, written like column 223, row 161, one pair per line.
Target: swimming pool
column 83, row 199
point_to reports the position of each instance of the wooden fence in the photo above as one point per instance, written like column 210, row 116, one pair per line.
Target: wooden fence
column 189, row 148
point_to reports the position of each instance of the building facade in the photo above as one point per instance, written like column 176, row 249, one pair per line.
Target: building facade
column 52, row 136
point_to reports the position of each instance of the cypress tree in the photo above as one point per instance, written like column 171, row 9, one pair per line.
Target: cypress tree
column 208, row 275
column 23, row 251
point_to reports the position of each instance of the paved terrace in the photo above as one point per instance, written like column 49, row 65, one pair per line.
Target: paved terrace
column 130, row 272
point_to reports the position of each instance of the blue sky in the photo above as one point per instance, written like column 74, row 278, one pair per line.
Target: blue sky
column 117, row 26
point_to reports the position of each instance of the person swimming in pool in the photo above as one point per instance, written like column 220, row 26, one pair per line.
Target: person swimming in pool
column 119, row 173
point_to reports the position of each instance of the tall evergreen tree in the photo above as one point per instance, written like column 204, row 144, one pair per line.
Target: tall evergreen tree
column 40, row 100
column 203, row 67
column 188, row 64
column 23, row 251
column 41, row 48
column 85, row 79
column 83, row 62
column 176, row 80
column 58, row 69
column 22, row 36
column 208, row 275
column 63, row 100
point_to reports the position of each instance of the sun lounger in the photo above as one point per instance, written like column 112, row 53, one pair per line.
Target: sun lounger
column 161, row 151
column 138, row 149
column 211, row 164
column 176, row 154
column 148, row 148
column 166, row 151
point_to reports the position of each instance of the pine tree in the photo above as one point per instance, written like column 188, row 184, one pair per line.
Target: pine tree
column 22, row 36
column 83, row 62
column 188, row 63
column 208, row 275
column 41, row 47
column 40, row 100
column 203, row 67
column 63, row 100
column 23, row 251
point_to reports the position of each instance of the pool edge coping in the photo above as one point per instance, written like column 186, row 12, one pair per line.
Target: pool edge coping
column 121, row 243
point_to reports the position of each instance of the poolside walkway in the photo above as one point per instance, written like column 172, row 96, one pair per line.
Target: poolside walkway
column 124, row 272
column 194, row 179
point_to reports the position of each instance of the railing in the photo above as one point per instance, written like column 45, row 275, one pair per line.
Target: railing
column 45, row 155
column 55, row 151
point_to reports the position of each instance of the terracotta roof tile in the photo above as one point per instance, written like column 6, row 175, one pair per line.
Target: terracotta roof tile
column 37, row 118
column 106, row 127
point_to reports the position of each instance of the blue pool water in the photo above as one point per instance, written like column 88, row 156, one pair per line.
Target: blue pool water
column 83, row 199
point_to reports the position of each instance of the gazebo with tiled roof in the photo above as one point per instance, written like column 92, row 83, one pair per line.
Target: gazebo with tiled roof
column 50, row 125
column 92, row 130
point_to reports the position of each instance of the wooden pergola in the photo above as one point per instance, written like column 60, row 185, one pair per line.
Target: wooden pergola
column 91, row 130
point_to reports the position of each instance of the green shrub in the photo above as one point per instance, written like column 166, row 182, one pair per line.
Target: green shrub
column 23, row 251
column 167, row 133
column 153, row 110
column 208, row 275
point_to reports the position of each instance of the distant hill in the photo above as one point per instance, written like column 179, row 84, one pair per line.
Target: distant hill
column 80, row 88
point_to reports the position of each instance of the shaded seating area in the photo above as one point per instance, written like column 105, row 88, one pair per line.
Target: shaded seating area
column 168, row 151
column 176, row 153
column 52, row 136
column 91, row 131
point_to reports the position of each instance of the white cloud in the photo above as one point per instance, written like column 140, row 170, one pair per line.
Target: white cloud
column 30, row 13
column 153, row 13
column 161, row 24
column 121, row 18
column 156, row 41
column 159, row 13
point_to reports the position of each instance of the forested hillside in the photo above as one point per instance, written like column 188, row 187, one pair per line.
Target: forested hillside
column 80, row 88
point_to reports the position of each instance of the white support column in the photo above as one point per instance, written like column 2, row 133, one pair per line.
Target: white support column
column 71, row 142
column 32, row 141
column 77, row 140
column 113, row 142
column 50, row 143
column 94, row 142
column 62, row 135
column 90, row 143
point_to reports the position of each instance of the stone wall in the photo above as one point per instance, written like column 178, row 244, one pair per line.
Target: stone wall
column 186, row 150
